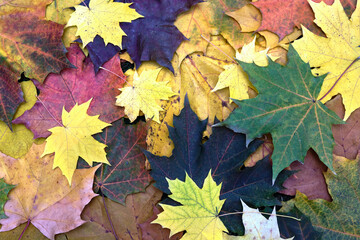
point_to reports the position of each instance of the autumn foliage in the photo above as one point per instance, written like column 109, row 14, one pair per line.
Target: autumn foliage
column 179, row 119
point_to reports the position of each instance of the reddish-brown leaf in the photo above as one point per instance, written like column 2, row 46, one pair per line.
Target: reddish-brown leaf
column 309, row 179
column 347, row 136
column 281, row 17
column 32, row 45
column 10, row 94
column 127, row 173
column 156, row 231
column 75, row 85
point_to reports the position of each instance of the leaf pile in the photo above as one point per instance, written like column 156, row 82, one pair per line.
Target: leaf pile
column 179, row 119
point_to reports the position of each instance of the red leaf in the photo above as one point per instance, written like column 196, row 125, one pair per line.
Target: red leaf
column 281, row 17
column 32, row 45
column 10, row 94
column 75, row 85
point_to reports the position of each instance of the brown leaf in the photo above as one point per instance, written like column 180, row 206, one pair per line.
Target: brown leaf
column 309, row 179
column 125, row 219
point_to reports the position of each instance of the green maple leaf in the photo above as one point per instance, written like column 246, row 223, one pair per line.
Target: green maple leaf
column 287, row 108
column 199, row 212
column 4, row 189
column 339, row 219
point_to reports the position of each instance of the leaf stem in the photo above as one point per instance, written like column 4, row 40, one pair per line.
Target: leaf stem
column 116, row 75
column 27, row 225
column 270, row 214
column 352, row 63
column 108, row 215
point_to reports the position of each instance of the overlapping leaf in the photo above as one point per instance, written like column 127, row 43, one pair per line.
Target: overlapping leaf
column 4, row 190
column 102, row 18
column 31, row 202
column 162, row 38
column 338, row 219
column 325, row 55
column 126, row 173
column 296, row 120
column 143, row 94
column 10, row 94
column 75, row 86
column 125, row 219
column 199, row 212
column 73, row 139
column 28, row 43
column 224, row 153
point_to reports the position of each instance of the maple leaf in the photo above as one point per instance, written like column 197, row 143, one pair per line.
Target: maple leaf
column 308, row 178
column 301, row 227
column 10, row 94
column 257, row 226
column 224, row 153
column 143, row 95
column 127, row 173
column 292, row 13
column 155, row 231
column 347, row 137
column 102, row 18
column 293, row 116
column 73, row 140
column 28, row 43
column 124, row 218
column 75, row 85
column 235, row 78
column 337, row 219
column 199, row 212
column 162, row 38
column 327, row 57
column 30, row 200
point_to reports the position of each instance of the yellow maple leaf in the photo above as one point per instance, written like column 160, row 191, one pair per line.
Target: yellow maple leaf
column 102, row 18
column 143, row 95
column 234, row 76
column 73, row 140
column 335, row 54
column 199, row 212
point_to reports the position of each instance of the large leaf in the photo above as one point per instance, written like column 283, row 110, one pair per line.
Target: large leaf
column 73, row 139
column 199, row 212
column 35, row 200
column 293, row 116
column 126, row 173
column 28, row 43
column 10, row 94
column 325, row 55
column 340, row 218
column 224, row 153
column 75, row 86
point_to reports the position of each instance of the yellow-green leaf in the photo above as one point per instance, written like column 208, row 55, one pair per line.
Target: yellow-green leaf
column 144, row 95
column 73, row 140
column 198, row 214
column 102, row 18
